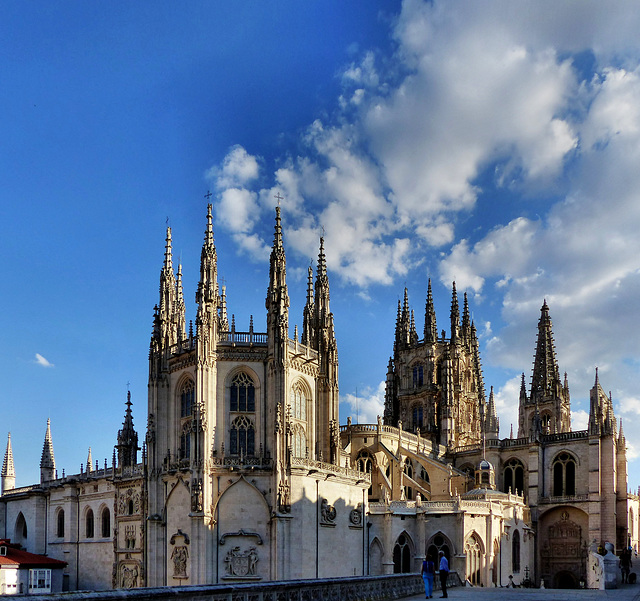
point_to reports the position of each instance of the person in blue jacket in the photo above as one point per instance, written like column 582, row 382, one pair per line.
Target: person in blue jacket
column 444, row 573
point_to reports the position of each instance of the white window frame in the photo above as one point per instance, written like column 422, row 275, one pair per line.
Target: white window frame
column 40, row 580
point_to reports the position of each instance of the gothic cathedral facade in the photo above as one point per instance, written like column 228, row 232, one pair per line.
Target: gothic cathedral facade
column 245, row 473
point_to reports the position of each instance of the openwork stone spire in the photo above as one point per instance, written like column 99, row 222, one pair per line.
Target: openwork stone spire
column 546, row 375
column 430, row 327
column 47, row 462
column 127, row 439
column 8, row 474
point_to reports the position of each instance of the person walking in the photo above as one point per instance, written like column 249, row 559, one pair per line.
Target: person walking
column 444, row 573
column 428, row 572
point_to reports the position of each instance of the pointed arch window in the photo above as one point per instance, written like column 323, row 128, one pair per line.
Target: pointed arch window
column 473, row 551
column 417, row 414
column 298, row 400
column 88, row 523
column 242, row 394
column 187, row 398
column 418, row 376
column 242, row 437
column 299, row 442
column 106, row 523
column 60, row 523
column 402, row 555
column 514, row 477
column 564, row 476
column 185, row 441
column 515, row 552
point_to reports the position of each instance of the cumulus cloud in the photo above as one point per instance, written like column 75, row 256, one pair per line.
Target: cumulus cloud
column 366, row 406
column 478, row 100
column 40, row 360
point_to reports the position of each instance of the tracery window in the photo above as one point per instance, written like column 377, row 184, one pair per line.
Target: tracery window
column 514, row 477
column 423, row 474
column 545, row 419
column 106, row 523
column 564, row 476
column 88, row 523
column 402, row 555
column 185, row 440
column 242, row 437
column 242, row 394
column 299, row 442
column 473, row 551
column 418, row 413
column 418, row 376
column 515, row 552
column 60, row 524
column 187, row 397
column 364, row 463
column 298, row 401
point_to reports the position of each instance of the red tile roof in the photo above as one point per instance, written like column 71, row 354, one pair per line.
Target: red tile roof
column 20, row 558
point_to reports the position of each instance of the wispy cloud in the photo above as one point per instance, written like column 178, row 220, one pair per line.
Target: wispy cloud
column 40, row 360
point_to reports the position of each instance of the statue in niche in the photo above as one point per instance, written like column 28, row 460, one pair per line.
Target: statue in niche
column 196, row 496
column 284, row 502
column 179, row 556
column 128, row 577
column 328, row 512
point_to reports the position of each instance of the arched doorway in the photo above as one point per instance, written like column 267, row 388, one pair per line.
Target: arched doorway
column 565, row 579
column 439, row 542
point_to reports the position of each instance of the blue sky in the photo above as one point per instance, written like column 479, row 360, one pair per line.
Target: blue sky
column 494, row 144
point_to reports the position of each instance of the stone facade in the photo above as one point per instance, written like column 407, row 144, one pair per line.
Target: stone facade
column 246, row 475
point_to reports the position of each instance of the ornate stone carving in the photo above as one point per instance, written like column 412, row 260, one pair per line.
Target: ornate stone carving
column 284, row 497
column 355, row 516
column 241, row 563
column 128, row 576
column 278, row 418
column 180, row 555
column 327, row 513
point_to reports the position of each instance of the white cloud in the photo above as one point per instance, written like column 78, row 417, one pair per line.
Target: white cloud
column 40, row 360
column 507, row 400
column 366, row 406
column 579, row 419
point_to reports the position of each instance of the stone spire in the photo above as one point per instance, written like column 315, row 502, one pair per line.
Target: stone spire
column 492, row 425
column 47, row 462
column 179, row 313
column 224, row 318
column 455, row 315
column 522, row 409
column 430, row 327
column 167, row 307
column 308, row 313
column 8, row 474
column 545, row 367
column 466, row 320
column 207, row 292
column 127, row 439
column 89, row 461
column 277, row 303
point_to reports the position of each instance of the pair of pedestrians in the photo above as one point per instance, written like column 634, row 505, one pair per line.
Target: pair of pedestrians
column 428, row 574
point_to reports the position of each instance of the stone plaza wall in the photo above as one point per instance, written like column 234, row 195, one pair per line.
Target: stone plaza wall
column 367, row 588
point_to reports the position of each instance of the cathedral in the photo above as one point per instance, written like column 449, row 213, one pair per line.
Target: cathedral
column 244, row 473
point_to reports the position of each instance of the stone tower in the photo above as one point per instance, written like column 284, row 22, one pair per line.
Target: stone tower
column 547, row 409
column 435, row 384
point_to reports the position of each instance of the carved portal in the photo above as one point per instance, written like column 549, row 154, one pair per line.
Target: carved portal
column 564, row 553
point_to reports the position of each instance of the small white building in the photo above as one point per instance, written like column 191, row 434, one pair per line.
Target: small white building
column 22, row 572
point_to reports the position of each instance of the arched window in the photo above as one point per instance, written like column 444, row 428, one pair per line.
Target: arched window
column 439, row 543
column 106, row 523
column 423, row 474
column 546, row 423
column 299, row 442
column 418, row 376
column 515, row 552
column 417, row 415
column 364, row 462
column 408, row 470
column 242, row 437
column 60, row 524
column 402, row 555
column 473, row 551
column 187, row 397
column 298, row 401
column 242, row 394
column 514, row 477
column 20, row 533
column 564, row 476
column 185, row 440
column 88, row 523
